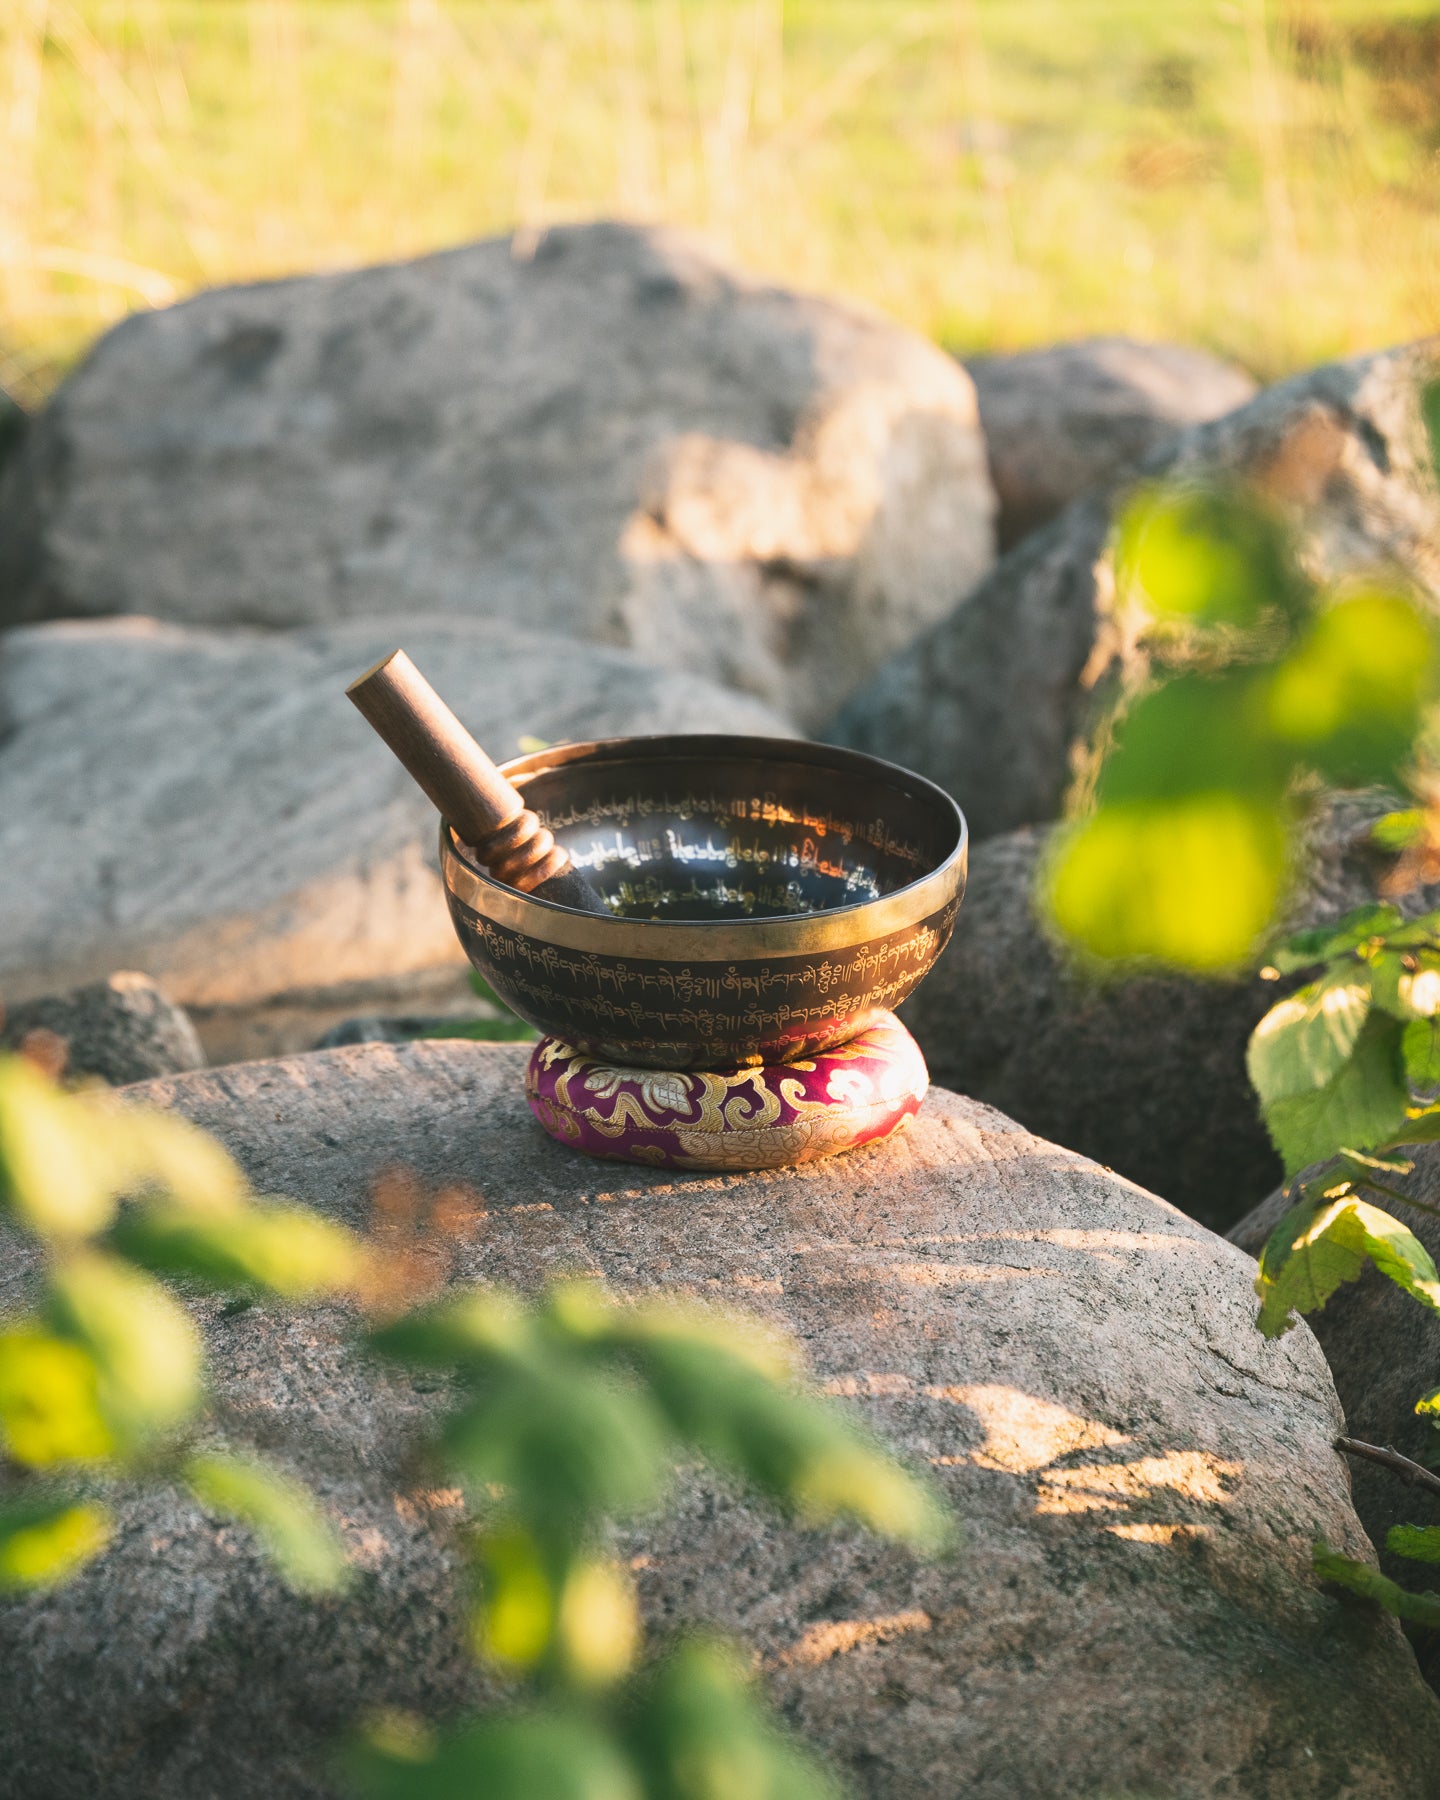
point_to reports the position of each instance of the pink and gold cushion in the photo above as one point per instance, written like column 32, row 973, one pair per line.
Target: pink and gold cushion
column 762, row 1118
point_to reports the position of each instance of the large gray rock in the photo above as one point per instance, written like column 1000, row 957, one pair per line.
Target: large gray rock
column 1144, row 1073
column 997, row 701
column 208, row 805
column 1061, row 421
column 122, row 1029
column 1384, row 1352
column 1138, row 1474
column 613, row 437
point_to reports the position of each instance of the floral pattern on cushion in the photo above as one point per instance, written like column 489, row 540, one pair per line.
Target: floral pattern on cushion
column 765, row 1118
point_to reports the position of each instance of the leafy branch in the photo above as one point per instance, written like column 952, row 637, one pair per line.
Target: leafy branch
column 103, row 1380
column 1265, row 688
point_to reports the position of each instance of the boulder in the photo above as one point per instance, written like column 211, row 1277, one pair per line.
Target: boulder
column 1145, row 1073
column 1138, row 1474
column 606, row 434
column 122, row 1029
column 209, row 806
column 997, row 701
column 1061, row 421
column 1384, row 1352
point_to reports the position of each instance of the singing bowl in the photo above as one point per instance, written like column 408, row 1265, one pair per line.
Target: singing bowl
column 768, row 898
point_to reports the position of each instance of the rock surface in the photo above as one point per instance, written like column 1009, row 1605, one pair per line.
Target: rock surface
column 996, row 702
column 1144, row 1074
column 1139, row 1477
column 1384, row 1352
column 612, row 437
column 208, row 805
column 122, row 1029
column 1061, row 421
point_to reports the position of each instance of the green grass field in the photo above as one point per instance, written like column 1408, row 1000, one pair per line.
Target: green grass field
column 1257, row 178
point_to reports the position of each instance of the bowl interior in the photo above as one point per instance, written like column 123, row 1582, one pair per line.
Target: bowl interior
column 727, row 828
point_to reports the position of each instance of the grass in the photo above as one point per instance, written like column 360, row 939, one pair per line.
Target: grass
column 1256, row 178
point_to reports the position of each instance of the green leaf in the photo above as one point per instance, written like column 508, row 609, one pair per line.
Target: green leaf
column 1360, row 1578
column 283, row 1515
column 1317, row 1247
column 53, row 1179
column 1430, row 414
column 44, row 1542
column 482, row 1327
column 1397, row 831
column 567, row 1444
column 1350, row 696
column 515, row 1621
column 159, row 1151
column 49, row 1401
column 807, row 1454
column 1420, row 1047
column 549, row 1755
column 1194, row 736
column 287, row 1250
column 1406, row 983
column 1207, row 557
column 144, row 1345
column 1323, row 943
column 1363, row 1106
column 1193, row 883
column 698, row 1731
column 1421, row 1543
column 1420, row 1127
column 1305, row 1040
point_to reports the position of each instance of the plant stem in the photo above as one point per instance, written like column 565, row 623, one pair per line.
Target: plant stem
column 1379, row 1187
column 1415, row 1473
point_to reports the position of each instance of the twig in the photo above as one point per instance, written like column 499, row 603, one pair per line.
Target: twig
column 1402, row 1466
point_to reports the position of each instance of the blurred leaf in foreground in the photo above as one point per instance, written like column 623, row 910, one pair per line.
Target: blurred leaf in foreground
column 144, row 1344
column 1191, row 882
column 698, row 1732
column 43, row 1542
column 286, row 1250
column 49, row 1401
column 549, row 1754
column 281, row 1513
column 1203, row 556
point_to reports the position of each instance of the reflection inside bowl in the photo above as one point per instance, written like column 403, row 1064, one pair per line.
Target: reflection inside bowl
column 720, row 852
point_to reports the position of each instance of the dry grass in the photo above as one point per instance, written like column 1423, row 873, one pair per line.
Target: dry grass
column 995, row 172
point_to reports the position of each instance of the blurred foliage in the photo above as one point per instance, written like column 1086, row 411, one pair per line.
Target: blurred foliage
column 995, row 173
column 564, row 1417
column 1262, row 685
column 102, row 1381
column 1265, row 690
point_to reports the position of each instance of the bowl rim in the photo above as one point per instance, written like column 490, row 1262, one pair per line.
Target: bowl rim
column 712, row 940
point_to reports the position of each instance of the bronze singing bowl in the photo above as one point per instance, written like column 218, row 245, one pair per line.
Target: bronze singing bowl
column 768, row 898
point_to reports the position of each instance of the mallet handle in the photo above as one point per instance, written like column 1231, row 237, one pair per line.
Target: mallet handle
column 463, row 784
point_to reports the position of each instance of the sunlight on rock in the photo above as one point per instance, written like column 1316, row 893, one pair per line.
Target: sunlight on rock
column 1023, row 1434
column 1159, row 1534
column 1105, row 1487
column 837, row 1637
column 938, row 1274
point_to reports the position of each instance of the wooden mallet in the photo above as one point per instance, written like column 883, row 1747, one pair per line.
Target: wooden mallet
column 462, row 782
